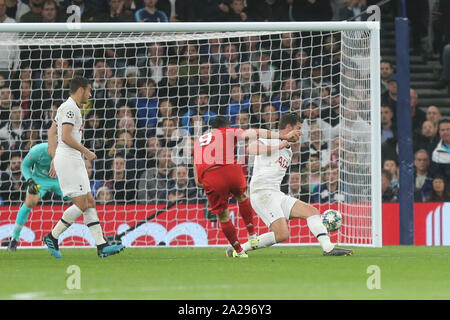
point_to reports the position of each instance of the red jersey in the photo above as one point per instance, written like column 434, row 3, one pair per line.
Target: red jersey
column 216, row 147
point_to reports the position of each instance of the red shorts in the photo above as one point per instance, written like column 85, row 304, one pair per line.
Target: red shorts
column 222, row 182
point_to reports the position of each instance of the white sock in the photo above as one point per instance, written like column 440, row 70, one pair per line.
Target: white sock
column 317, row 228
column 91, row 220
column 265, row 240
column 69, row 216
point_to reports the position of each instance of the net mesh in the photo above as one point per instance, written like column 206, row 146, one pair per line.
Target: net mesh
column 148, row 91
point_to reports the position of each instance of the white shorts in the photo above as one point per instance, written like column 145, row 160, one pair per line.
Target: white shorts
column 72, row 176
column 271, row 205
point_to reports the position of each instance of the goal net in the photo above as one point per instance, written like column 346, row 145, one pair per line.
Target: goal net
column 155, row 91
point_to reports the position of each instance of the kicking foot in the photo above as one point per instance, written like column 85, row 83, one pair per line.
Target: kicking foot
column 338, row 252
column 231, row 253
column 52, row 245
column 107, row 250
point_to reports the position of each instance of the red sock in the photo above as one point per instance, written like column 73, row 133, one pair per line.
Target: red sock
column 230, row 232
column 246, row 212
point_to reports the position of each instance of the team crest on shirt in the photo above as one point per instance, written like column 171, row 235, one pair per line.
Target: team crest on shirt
column 282, row 162
column 70, row 114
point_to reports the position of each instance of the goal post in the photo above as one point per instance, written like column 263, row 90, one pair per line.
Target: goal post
column 154, row 83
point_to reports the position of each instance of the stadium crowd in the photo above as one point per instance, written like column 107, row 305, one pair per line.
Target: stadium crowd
column 149, row 99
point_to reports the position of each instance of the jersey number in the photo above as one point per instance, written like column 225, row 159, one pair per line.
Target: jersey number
column 205, row 139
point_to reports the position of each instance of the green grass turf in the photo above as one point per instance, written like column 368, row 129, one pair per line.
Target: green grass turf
column 285, row 273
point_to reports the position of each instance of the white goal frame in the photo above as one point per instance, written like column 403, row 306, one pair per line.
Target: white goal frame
column 372, row 27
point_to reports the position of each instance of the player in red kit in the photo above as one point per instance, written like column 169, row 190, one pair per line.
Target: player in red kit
column 217, row 170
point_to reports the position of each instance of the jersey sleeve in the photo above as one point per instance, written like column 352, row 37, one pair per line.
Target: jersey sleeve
column 68, row 116
column 30, row 159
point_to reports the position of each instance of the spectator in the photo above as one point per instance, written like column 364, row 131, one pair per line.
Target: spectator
column 313, row 171
column 94, row 134
column 256, row 102
column 12, row 183
column 213, row 50
column 418, row 115
column 439, row 191
column 308, row 10
column 165, row 111
column 6, row 100
column 153, row 183
column 311, row 113
column 196, row 119
column 294, row 184
column 315, row 145
column 389, row 98
column 387, row 126
column 147, row 105
column 104, row 196
column 25, row 98
column 29, row 138
column 13, row 131
column 210, row 10
column 49, row 118
column 174, row 87
column 238, row 12
column 229, row 63
column 208, row 81
column 16, row 9
column 35, row 12
column 296, row 102
column 248, row 78
column 122, row 185
column 392, row 166
column 148, row 159
column 428, row 139
column 49, row 12
column 388, row 193
column 131, row 81
column 185, row 187
column 268, row 74
column 434, row 115
column 331, row 115
column 242, row 120
column 269, row 117
column 328, row 191
column 440, row 160
column 123, row 145
column 311, row 87
column 189, row 63
column 152, row 66
column 353, row 8
column 64, row 69
column 269, row 10
column 150, row 13
column 116, row 13
column 284, row 56
column 283, row 101
column 251, row 48
column 239, row 102
column 386, row 70
column 422, row 176
column 102, row 72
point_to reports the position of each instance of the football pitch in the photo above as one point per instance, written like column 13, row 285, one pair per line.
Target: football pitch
column 277, row 273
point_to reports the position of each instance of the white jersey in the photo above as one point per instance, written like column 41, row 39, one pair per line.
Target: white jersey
column 68, row 112
column 269, row 170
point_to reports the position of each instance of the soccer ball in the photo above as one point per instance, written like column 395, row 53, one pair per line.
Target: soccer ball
column 332, row 219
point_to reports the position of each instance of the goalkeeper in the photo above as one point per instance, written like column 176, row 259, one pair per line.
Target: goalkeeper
column 40, row 179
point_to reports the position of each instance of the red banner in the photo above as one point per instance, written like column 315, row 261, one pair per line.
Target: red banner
column 189, row 225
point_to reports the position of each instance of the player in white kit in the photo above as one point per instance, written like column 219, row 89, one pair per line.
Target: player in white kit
column 273, row 157
column 69, row 166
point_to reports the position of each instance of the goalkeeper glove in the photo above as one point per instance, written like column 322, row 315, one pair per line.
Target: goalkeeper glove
column 33, row 187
